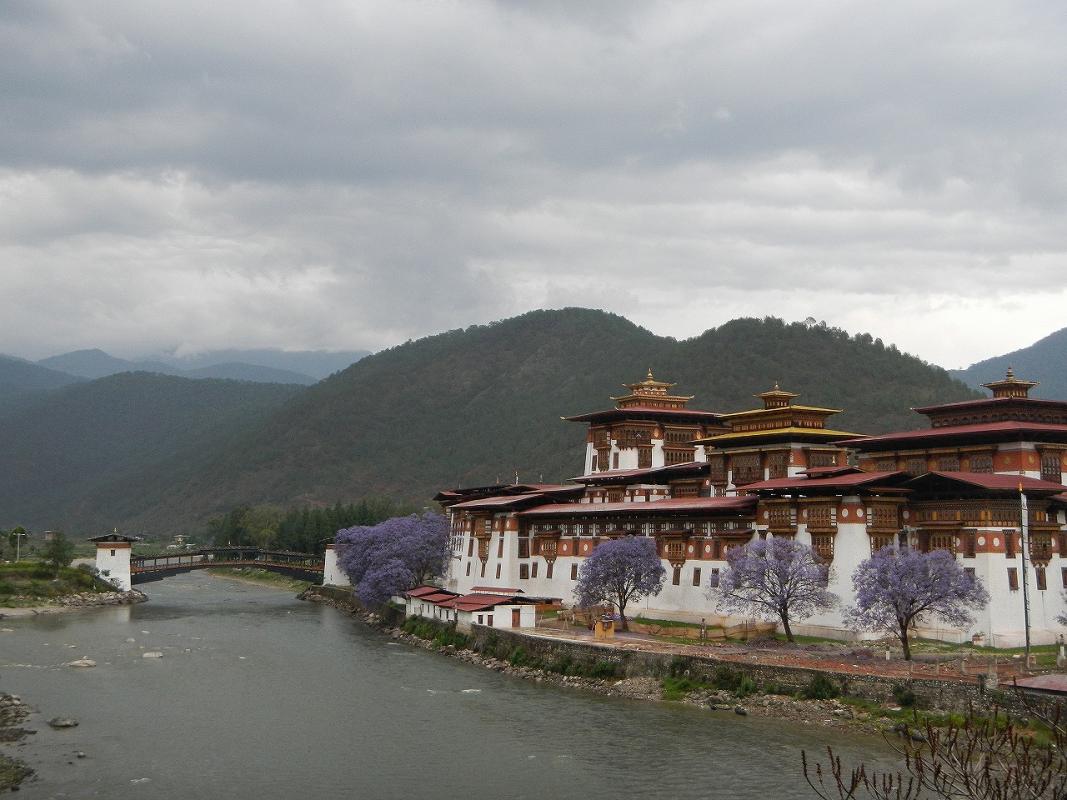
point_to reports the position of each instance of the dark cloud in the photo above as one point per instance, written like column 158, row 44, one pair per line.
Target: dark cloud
column 352, row 175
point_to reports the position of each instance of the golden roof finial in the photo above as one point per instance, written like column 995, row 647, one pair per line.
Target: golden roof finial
column 1010, row 374
column 650, row 374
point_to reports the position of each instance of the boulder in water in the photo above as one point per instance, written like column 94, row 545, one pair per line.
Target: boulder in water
column 81, row 662
column 63, row 722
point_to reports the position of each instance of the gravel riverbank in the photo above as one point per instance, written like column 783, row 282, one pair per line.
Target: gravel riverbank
column 74, row 602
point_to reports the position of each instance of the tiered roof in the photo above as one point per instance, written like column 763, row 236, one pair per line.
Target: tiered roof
column 780, row 420
column 1009, row 415
column 649, row 400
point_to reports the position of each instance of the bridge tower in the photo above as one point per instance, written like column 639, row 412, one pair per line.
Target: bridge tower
column 113, row 558
column 332, row 574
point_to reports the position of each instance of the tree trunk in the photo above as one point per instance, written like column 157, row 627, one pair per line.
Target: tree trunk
column 622, row 617
column 788, row 630
column 904, row 641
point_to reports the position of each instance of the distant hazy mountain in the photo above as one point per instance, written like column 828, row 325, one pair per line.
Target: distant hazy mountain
column 1044, row 361
column 95, row 454
column 97, row 364
column 19, row 377
column 262, row 366
column 316, row 363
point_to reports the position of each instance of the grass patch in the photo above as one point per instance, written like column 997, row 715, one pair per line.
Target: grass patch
column 261, row 576
column 34, row 582
column 669, row 623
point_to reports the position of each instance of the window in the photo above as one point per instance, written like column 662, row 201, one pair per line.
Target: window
column 500, row 547
column 548, row 570
column 480, row 618
column 1039, row 574
column 112, row 552
column 1013, row 579
column 489, row 620
column 468, row 569
column 1009, row 544
column 915, row 466
column 574, row 572
column 524, row 572
column 533, row 570
column 696, row 576
column 1063, row 576
column 714, row 582
column 470, row 547
column 823, row 545
column 644, row 457
column 948, row 463
column 1050, row 467
column 677, row 578
column 498, row 572
column 615, row 461
column 524, row 547
column 982, row 463
column 483, row 570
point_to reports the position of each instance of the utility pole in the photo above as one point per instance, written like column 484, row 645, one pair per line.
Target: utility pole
column 18, row 544
column 1026, row 558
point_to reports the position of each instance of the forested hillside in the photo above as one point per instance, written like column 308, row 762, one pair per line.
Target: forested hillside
column 96, row 454
column 1044, row 361
column 482, row 404
column 461, row 408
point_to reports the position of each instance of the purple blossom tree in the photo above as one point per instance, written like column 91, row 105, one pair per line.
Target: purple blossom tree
column 776, row 579
column 893, row 587
column 619, row 571
column 385, row 559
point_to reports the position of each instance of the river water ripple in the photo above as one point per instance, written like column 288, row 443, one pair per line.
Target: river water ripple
column 259, row 695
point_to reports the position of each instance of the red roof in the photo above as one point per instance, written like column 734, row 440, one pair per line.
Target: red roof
column 990, row 401
column 686, row 467
column 670, row 506
column 955, row 431
column 426, row 590
column 479, row 602
column 993, row 481
column 646, row 412
column 848, row 480
column 509, row 501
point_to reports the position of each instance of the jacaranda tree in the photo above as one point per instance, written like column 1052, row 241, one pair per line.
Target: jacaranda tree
column 776, row 579
column 619, row 571
column 894, row 587
column 385, row 559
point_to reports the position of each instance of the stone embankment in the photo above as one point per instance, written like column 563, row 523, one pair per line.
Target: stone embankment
column 12, row 713
column 71, row 602
column 504, row 652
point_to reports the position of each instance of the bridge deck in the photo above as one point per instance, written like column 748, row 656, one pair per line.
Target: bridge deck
column 301, row 565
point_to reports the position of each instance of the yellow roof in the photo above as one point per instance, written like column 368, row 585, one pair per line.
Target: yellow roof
column 780, row 409
column 820, row 432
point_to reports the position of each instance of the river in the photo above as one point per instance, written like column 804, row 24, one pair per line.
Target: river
column 259, row 695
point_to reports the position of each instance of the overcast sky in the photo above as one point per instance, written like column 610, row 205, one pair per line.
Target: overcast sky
column 350, row 175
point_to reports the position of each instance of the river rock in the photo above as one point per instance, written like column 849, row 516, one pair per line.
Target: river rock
column 63, row 722
column 152, row 654
column 81, row 662
column 741, row 711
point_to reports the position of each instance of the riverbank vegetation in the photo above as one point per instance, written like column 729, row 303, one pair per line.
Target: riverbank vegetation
column 28, row 583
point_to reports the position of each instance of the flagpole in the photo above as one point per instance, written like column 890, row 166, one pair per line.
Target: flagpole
column 1026, row 556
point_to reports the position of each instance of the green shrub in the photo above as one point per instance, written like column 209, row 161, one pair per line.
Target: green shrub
column 7, row 587
column 676, row 688
column 820, row 687
column 601, row 670
column 561, row 665
column 727, row 678
column 904, row 696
